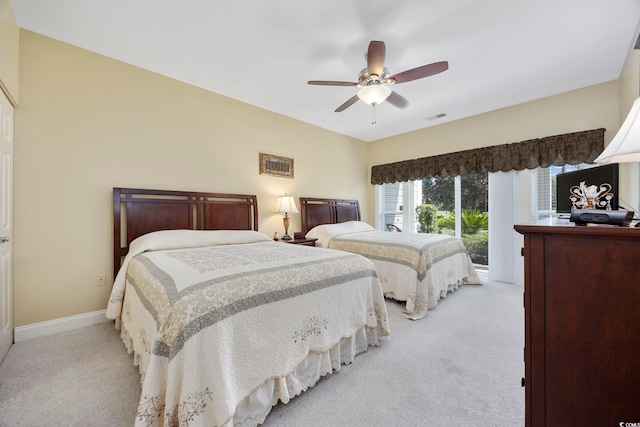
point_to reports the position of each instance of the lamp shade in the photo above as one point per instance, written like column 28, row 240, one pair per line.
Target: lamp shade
column 374, row 94
column 286, row 204
column 625, row 146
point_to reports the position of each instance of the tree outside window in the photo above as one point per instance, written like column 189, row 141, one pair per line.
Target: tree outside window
column 437, row 213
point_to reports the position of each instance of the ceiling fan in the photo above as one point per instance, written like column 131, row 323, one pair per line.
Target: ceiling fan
column 374, row 81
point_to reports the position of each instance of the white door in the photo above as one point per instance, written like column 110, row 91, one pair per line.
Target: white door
column 6, row 195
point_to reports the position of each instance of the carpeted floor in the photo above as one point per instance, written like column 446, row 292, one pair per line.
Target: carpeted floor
column 460, row 365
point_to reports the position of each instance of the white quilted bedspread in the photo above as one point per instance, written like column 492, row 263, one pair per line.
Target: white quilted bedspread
column 216, row 321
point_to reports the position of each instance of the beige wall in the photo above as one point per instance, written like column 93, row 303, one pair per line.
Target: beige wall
column 9, row 50
column 87, row 123
column 630, row 78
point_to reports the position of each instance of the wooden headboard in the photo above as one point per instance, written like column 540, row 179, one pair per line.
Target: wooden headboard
column 137, row 212
column 327, row 211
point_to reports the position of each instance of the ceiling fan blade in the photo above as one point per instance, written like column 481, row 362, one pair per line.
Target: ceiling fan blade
column 375, row 58
column 347, row 104
column 330, row 83
column 421, row 72
column 397, row 100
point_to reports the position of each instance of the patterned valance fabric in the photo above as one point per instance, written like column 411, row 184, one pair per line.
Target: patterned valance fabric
column 570, row 148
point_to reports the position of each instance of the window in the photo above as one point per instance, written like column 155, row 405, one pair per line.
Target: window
column 543, row 189
column 457, row 206
column 393, row 205
column 398, row 205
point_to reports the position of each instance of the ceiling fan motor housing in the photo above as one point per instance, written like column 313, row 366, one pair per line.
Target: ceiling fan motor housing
column 366, row 79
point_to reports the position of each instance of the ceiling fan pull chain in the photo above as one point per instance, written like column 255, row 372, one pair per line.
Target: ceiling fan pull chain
column 373, row 114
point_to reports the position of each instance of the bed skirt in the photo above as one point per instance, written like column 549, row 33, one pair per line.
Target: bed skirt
column 254, row 409
column 399, row 282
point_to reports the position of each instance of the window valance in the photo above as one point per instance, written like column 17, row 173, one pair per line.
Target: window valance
column 570, row 148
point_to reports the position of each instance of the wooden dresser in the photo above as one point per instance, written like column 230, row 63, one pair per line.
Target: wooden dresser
column 582, row 325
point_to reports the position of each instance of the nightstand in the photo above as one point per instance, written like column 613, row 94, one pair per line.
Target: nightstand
column 304, row 241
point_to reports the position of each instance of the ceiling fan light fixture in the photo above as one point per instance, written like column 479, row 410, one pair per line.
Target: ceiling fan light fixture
column 374, row 80
column 374, row 94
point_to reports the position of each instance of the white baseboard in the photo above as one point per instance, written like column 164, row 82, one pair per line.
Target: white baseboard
column 42, row 329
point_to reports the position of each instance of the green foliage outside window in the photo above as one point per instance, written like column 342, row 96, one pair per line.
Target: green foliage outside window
column 472, row 221
column 426, row 218
column 474, row 231
column 477, row 245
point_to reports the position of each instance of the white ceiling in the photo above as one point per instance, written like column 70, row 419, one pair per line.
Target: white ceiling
column 500, row 52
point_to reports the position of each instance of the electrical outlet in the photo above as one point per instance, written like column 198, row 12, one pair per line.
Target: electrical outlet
column 101, row 279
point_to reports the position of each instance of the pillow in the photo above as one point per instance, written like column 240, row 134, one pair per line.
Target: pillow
column 174, row 239
column 326, row 232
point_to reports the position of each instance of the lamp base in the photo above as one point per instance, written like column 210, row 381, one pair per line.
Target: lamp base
column 285, row 222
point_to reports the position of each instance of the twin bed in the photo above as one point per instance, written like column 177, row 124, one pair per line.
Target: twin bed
column 224, row 322
column 418, row 268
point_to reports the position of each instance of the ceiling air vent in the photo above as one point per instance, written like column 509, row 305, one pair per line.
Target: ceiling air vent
column 437, row 116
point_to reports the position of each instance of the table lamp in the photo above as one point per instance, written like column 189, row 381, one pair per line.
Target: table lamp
column 625, row 146
column 286, row 204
